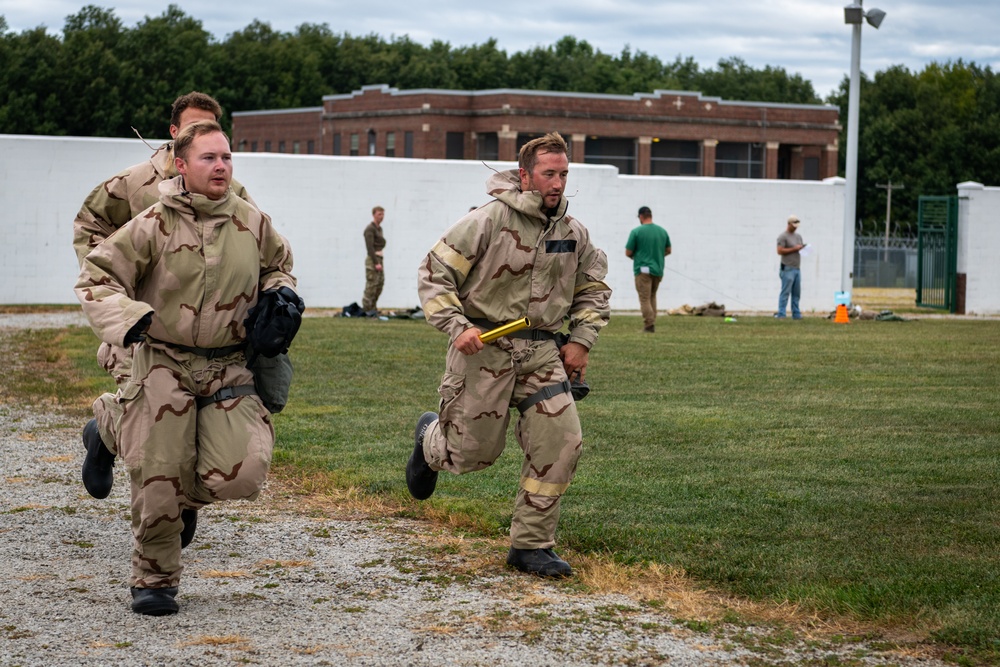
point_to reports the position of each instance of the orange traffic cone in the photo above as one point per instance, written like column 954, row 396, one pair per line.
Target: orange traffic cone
column 841, row 316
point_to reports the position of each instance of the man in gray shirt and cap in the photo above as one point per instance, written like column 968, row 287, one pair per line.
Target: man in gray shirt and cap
column 789, row 245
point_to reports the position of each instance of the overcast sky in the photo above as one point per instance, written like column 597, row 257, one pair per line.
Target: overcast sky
column 806, row 37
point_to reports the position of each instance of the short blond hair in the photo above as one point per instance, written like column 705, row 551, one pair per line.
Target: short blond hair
column 184, row 139
column 377, row 209
column 552, row 142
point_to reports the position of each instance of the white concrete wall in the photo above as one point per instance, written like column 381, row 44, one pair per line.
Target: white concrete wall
column 978, row 245
column 723, row 231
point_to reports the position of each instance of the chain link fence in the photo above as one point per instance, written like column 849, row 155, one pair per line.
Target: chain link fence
column 877, row 264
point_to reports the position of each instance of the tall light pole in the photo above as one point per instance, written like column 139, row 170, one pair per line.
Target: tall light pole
column 853, row 15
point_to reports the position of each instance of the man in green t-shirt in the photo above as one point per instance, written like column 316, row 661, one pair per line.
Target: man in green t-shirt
column 647, row 245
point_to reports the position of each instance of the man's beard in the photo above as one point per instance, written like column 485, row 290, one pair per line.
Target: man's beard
column 550, row 210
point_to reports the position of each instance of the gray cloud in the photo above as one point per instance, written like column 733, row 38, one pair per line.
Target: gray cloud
column 806, row 37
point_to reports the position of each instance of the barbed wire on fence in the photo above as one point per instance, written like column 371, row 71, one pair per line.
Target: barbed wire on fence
column 878, row 242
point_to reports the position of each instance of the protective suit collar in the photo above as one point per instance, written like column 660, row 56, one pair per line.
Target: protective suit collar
column 174, row 195
column 506, row 186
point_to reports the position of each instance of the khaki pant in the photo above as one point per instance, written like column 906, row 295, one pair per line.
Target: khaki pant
column 477, row 393
column 646, row 285
column 117, row 361
column 180, row 456
column 374, row 281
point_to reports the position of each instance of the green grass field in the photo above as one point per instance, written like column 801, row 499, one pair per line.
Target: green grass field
column 852, row 469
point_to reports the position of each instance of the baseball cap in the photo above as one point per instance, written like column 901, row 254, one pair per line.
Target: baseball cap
column 793, row 220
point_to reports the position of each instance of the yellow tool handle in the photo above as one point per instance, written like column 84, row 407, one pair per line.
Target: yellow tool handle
column 505, row 329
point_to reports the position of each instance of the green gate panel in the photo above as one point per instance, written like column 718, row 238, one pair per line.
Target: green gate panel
column 937, row 252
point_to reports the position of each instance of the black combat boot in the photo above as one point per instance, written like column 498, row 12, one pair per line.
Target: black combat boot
column 98, row 464
column 190, row 519
column 154, row 601
column 542, row 562
column 420, row 479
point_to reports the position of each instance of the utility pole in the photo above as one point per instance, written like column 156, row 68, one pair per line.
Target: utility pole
column 888, row 187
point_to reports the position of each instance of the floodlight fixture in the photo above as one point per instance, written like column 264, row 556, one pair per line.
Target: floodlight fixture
column 874, row 17
column 853, row 14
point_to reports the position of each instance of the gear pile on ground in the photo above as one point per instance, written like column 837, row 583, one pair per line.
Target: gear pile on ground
column 710, row 309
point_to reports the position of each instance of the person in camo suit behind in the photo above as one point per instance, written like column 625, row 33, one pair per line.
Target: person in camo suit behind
column 518, row 256
column 108, row 207
column 177, row 282
column 374, row 262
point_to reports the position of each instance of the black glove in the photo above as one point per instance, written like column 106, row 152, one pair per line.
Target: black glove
column 577, row 388
column 136, row 333
column 291, row 297
column 273, row 322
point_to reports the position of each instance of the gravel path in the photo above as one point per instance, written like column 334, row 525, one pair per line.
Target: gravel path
column 280, row 583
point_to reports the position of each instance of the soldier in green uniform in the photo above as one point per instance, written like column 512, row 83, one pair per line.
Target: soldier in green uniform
column 177, row 283
column 518, row 256
column 374, row 262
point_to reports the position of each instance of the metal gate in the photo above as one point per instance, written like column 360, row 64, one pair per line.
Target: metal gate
column 937, row 252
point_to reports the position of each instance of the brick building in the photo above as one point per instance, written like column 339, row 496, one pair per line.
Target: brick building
column 665, row 133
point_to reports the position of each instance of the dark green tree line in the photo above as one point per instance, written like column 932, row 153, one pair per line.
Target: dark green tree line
column 927, row 130
column 101, row 78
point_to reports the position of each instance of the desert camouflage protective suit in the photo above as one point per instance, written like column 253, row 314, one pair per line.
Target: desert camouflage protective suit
column 198, row 265
column 501, row 262
column 109, row 206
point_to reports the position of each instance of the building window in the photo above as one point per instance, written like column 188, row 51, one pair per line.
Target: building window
column 408, row 144
column 784, row 161
column 810, row 168
column 739, row 160
column 522, row 139
column 336, row 144
column 253, row 146
column 281, row 146
column 310, row 147
column 355, row 143
column 242, row 145
column 675, row 158
column 371, row 142
column 296, row 147
column 488, row 146
column 390, row 144
column 454, row 146
column 267, row 146
column 610, row 150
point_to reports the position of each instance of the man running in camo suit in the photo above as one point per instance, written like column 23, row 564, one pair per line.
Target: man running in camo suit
column 109, row 206
column 178, row 282
column 519, row 256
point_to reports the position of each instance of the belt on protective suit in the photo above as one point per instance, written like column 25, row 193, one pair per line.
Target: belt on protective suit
column 208, row 352
column 529, row 334
column 225, row 394
column 543, row 393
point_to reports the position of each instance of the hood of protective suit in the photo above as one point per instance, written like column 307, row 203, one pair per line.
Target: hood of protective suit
column 174, row 195
column 506, row 186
